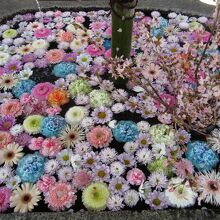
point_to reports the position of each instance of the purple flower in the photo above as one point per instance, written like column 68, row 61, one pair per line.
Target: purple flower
column 157, row 200
column 102, row 115
column 101, row 173
column 118, row 185
column 70, row 57
column 23, row 139
column 41, row 63
column 158, row 180
column 143, row 140
column 6, row 123
column 29, row 58
column 13, row 66
column 127, row 159
column 28, row 17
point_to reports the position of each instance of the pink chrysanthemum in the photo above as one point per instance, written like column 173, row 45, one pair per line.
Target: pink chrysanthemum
column 11, row 108
column 81, row 179
column 42, row 90
column 184, row 168
column 99, row 136
column 5, row 195
column 54, row 56
column 60, row 196
column 50, row 147
column 5, row 138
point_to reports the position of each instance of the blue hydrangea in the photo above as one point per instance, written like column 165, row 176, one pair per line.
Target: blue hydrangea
column 63, row 69
column 201, row 155
column 31, row 167
column 159, row 31
column 125, row 131
column 24, row 86
column 52, row 125
column 107, row 44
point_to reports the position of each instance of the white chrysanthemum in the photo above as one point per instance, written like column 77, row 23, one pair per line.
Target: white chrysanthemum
column 159, row 150
column 76, row 114
column 25, row 74
column 16, row 129
column 77, row 45
column 64, row 157
column 131, row 198
column 25, row 198
column 108, row 155
column 155, row 14
column 172, row 15
column 40, row 44
column 117, row 168
column 214, row 140
column 76, row 161
column 11, row 154
column 65, row 174
column 51, row 166
column 4, row 58
column 184, row 25
column 180, row 194
column 130, row 147
column 87, row 122
column 13, row 182
column 84, row 59
column 143, row 126
column 144, row 156
column 203, row 20
column 118, row 108
column 144, row 190
column 115, row 203
column 5, row 173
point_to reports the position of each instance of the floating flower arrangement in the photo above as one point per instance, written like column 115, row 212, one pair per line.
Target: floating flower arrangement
column 72, row 136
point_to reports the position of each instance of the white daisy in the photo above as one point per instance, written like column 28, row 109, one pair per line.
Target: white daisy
column 16, row 129
column 13, row 182
column 118, row 108
column 144, row 156
column 83, row 59
column 76, row 161
column 51, row 166
column 130, row 147
column 108, row 155
column 115, row 203
column 65, row 174
column 143, row 126
column 144, row 190
column 64, row 157
column 158, row 150
column 117, row 168
column 5, row 173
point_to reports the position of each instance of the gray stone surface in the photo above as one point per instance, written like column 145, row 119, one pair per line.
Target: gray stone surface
column 122, row 215
column 185, row 6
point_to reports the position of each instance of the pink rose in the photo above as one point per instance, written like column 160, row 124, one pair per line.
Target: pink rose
column 36, row 143
column 135, row 177
column 45, row 183
column 42, row 90
column 42, row 33
column 95, row 50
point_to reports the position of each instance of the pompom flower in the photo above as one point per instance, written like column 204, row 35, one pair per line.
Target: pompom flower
column 60, row 196
column 32, row 124
column 42, row 90
column 63, row 69
column 76, row 114
column 125, row 131
column 24, row 86
column 45, row 183
column 52, row 125
column 201, row 155
column 25, row 198
column 79, row 87
column 135, row 177
column 95, row 196
column 58, row 97
column 161, row 133
column 54, row 56
column 99, row 136
column 5, row 194
column 30, row 168
column 100, row 98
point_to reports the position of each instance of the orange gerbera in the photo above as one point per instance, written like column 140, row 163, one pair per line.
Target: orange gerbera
column 58, row 97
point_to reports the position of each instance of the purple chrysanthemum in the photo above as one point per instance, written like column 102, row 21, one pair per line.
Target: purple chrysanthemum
column 23, row 139
column 6, row 123
column 127, row 159
column 29, row 58
column 41, row 63
column 158, row 180
column 90, row 160
column 143, row 140
column 118, row 185
column 13, row 66
column 157, row 200
column 70, row 57
column 101, row 173
column 102, row 115
column 182, row 136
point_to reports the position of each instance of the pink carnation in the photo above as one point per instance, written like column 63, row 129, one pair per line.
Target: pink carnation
column 11, row 108
column 5, row 139
column 135, row 177
column 26, row 98
column 42, row 33
column 57, row 13
column 42, row 90
column 95, row 50
column 81, row 179
column 36, row 143
column 45, row 183
column 79, row 19
column 53, row 110
column 54, row 56
column 99, row 136
column 60, row 196
column 50, row 147
column 5, row 195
